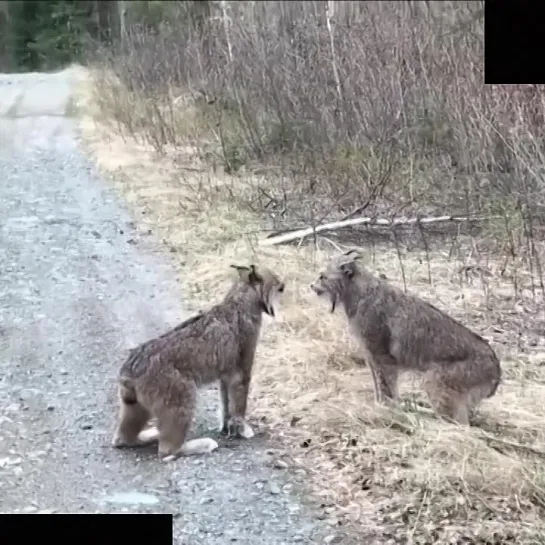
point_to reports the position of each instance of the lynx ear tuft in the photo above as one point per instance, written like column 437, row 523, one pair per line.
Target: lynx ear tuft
column 248, row 274
column 254, row 277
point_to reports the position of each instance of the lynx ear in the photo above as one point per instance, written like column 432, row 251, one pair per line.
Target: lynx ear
column 255, row 277
column 248, row 274
column 353, row 254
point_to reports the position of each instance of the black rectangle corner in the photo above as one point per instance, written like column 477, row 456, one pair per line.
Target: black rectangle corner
column 513, row 42
column 92, row 528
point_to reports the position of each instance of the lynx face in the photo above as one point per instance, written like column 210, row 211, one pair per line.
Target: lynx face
column 336, row 276
column 267, row 284
column 270, row 290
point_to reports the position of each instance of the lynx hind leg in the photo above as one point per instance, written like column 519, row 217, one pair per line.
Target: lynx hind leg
column 450, row 403
column 132, row 419
column 174, row 416
column 173, row 425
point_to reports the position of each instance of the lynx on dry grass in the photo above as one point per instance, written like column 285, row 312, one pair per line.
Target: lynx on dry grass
column 399, row 332
column 161, row 377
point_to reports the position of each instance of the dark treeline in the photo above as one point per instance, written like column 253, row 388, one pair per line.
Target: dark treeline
column 45, row 34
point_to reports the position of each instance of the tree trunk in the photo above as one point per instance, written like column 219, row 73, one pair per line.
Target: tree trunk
column 109, row 20
column 5, row 59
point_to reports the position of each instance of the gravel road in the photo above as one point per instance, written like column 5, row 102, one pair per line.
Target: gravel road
column 78, row 287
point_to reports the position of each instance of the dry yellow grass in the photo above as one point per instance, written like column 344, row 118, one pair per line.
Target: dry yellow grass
column 401, row 475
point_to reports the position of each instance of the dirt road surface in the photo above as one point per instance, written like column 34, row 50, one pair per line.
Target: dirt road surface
column 78, row 287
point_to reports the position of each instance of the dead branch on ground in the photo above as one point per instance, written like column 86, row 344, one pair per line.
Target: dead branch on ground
column 276, row 238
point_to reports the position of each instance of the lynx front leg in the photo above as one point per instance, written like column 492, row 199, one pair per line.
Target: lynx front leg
column 224, row 414
column 385, row 377
column 376, row 389
column 366, row 356
column 239, row 387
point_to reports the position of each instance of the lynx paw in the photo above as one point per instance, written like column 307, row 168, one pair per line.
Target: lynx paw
column 169, row 458
column 204, row 445
column 237, row 427
column 118, row 442
column 145, row 437
column 247, row 432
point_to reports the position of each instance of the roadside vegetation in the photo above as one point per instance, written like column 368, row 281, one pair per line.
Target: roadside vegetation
column 223, row 123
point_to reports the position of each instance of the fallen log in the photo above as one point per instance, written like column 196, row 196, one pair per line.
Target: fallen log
column 381, row 222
